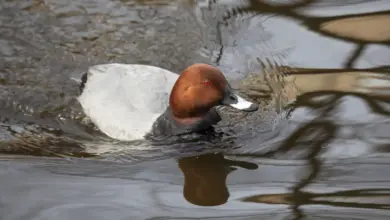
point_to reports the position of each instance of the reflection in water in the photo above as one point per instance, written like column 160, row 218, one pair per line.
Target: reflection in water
column 362, row 198
column 357, row 28
column 315, row 137
column 205, row 178
column 373, row 81
column 361, row 29
column 332, row 153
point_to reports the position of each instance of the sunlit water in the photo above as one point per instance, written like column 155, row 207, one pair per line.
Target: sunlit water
column 328, row 160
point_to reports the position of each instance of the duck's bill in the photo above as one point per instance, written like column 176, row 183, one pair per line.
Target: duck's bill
column 234, row 100
column 244, row 105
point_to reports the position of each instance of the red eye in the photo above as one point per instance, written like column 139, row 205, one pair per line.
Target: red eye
column 207, row 83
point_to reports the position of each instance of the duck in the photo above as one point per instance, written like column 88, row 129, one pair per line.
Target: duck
column 130, row 102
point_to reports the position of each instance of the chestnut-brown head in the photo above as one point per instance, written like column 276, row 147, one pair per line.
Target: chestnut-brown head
column 201, row 87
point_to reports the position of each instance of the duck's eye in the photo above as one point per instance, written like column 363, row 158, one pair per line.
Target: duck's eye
column 206, row 83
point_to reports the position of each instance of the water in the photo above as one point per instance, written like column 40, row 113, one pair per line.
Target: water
column 328, row 160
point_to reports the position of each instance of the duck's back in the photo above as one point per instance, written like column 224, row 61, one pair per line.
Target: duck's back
column 124, row 100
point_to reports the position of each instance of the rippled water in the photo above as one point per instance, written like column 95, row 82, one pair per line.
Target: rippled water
column 328, row 160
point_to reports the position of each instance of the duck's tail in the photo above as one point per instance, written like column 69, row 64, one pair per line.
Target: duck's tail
column 84, row 79
column 81, row 81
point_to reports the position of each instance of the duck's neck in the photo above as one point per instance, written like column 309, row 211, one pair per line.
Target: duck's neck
column 209, row 118
column 168, row 124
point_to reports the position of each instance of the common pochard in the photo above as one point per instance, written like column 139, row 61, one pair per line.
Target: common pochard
column 129, row 101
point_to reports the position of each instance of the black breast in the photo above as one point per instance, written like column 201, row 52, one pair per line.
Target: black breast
column 165, row 127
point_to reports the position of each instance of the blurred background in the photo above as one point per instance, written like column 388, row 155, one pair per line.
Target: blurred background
column 318, row 148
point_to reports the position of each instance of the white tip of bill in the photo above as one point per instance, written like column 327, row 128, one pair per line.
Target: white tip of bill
column 243, row 104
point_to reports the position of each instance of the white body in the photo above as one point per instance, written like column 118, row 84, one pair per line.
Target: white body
column 123, row 100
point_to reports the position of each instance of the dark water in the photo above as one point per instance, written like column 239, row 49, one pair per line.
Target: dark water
column 328, row 160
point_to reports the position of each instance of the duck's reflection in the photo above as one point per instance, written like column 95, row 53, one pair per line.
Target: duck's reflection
column 205, row 178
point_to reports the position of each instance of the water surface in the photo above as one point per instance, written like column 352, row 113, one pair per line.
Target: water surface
column 327, row 160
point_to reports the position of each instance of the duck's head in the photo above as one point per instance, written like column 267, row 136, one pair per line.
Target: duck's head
column 198, row 89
